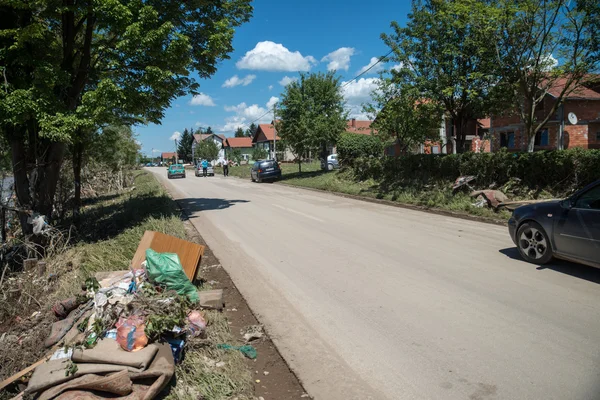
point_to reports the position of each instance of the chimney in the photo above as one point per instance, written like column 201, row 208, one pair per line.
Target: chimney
column 354, row 122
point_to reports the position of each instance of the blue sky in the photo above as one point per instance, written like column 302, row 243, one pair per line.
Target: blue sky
column 282, row 39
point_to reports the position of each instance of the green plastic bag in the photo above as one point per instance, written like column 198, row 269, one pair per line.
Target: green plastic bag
column 166, row 269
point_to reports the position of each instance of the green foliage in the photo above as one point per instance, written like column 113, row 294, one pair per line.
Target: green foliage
column 235, row 155
column 258, row 153
column 251, row 130
column 445, row 52
column 115, row 147
column 239, row 132
column 207, row 150
column 209, row 131
column 352, row 146
column 184, row 148
column 312, row 113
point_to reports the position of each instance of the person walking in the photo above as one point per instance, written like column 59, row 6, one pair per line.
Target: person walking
column 226, row 168
column 204, row 168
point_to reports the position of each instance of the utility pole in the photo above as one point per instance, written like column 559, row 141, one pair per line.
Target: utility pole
column 176, row 151
column 274, row 132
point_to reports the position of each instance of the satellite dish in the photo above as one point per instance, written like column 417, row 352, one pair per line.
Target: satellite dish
column 572, row 118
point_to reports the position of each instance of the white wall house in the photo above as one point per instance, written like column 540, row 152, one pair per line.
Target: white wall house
column 218, row 139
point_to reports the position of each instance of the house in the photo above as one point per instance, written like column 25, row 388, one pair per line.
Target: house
column 575, row 124
column 218, row 139
column 244, row 144
column 264, row 138
column 361, row 127
column 168, row 157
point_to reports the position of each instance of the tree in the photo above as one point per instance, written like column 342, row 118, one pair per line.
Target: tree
column 184, row 149
column 207, row 150
column 258, row 153
column 251, row 130
column 445, row 52
column 67, row 65
column 236, row 155
column 312, row 114
column 401, row 115
column 239, row 132
column 209, row 131
column 538, row 43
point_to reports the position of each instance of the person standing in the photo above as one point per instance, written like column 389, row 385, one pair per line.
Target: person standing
column 226, row 168
column 204, row 168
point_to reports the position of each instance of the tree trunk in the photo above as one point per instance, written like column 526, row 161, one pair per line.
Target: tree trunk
column 299, row 164
column 460, row 133
column 530, row 144
column 77, row 163
column 19, row 166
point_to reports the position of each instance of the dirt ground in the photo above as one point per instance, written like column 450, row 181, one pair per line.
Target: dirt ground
column 273, row 379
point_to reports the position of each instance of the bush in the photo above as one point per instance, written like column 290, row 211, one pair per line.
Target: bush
column 557, row 172
column 351, row 147
column 259, row 153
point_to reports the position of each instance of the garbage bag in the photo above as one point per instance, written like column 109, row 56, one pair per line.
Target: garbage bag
column 166, row 269
column 131, row 334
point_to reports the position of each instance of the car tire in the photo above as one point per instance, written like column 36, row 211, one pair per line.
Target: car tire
column 330, row 167
column 533, row 243
column 252, row 178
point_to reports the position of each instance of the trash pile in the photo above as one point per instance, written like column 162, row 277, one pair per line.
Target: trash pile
column 123, row 334
column 484, row 198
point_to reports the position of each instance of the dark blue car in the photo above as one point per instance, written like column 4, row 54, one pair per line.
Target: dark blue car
column 264, row 170
column 568, row 229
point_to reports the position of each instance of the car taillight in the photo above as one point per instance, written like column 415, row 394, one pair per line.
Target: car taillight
column 260, row 170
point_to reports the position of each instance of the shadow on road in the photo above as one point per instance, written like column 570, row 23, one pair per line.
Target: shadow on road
column 564, row 267
column 204, row 204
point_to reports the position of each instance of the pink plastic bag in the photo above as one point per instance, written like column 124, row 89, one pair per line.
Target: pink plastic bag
column 130, row 333
column 196, row 323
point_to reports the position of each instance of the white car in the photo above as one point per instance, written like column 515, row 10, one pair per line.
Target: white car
column 210, row 171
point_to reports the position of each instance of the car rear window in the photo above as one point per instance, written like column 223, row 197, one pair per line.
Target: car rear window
column 268, row 164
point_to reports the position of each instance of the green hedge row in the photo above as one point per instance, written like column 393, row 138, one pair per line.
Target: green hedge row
column 351, row 146
column 557, row 171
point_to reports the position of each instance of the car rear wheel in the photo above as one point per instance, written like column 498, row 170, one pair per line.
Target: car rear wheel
column 330, row 167
column 533, row 243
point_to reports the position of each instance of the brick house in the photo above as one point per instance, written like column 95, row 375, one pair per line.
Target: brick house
column 583, row 102
column 264, row 138
column 168, row 157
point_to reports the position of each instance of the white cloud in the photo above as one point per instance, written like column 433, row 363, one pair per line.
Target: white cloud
column 377, row 68
column 286, row 80
column 358, row 92
column 236, row 81
column 548, row 63
column 396, row 67
column 138, row 142
column 202, row 100
column 339, row 59
column 175, row 136
column 270, row 87
column 270, row 56
column 199, row 124
column 272, row 101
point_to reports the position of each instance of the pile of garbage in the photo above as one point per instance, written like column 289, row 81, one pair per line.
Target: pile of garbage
column 126, row 330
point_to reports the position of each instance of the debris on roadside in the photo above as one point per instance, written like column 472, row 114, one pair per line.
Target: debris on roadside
column 491, row 198
column 463, row 182
column 247, row 350
column 253, row 332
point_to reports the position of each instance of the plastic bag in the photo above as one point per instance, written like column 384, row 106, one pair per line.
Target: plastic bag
column 166, row 269
column 130, row 333
column 196, row 323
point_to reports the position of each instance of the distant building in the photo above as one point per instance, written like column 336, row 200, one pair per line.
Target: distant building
column 264, row 138
column 218, row 139
column 168, row 157
column 244, row 144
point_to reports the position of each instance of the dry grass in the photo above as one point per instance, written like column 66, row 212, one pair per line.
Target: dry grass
column 111, row 229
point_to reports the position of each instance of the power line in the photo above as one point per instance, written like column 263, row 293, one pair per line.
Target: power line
column 268, row 111
column 367, row 70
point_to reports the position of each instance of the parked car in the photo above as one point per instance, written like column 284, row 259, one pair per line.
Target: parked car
column 568, row 229
column 263, row 170
column 210, row 171
column 330, row 163
column 176, row 171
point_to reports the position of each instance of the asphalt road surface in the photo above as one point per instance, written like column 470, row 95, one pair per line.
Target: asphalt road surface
column 367, row 301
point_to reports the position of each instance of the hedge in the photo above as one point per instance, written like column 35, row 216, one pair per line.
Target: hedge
column 351, row 146
column 556, row 171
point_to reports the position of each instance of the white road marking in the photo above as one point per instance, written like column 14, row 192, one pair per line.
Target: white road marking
column 298, row 212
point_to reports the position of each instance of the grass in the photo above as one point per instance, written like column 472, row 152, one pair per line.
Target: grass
column 287, row 169
column 112, row 227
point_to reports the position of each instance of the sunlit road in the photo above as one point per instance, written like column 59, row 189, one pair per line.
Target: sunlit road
column 370, row 301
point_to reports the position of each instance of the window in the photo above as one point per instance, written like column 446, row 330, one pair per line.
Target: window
column 598, row 136
column 590, row 199
column 391, row 150
column 541, row 138
column 435, row 150
column 507, row 139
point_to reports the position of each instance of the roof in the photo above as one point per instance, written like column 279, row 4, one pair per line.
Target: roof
column 268, row 130
column 580, row 92
column 239, row 142
column 168, row 155
column 484, row 123
column 361, row 127
column 198, row 137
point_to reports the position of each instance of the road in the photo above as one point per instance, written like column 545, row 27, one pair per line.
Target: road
column 367, row 301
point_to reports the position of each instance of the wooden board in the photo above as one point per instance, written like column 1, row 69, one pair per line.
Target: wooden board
column 189, row 253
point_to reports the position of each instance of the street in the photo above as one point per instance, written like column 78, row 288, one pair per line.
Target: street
column 371, row 301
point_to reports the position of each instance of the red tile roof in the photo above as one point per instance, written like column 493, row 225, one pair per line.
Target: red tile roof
column 361, row 127
column 239, row 142
column 268, row 130
column 198, row 137
column 168, row 155
column 580, row 92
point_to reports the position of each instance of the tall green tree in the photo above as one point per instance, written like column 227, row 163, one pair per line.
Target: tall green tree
column 402, row 116
column 542, row 45
column 445, row 52
column 209, row 131
column 312, row 114
column 239, row 132
column 64, row 64
column 251, row 130
column 184, row 148
column 208, row 150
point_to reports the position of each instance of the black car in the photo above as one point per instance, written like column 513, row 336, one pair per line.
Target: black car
column 567, row 229
column 265, row 170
